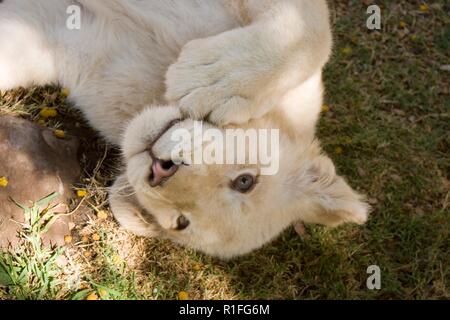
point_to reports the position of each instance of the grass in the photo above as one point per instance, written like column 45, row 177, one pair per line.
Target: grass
column 31, row 270
column 387, row 129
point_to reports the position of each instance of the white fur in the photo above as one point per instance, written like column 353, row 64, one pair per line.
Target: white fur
column 248, row 62
column 116, row 63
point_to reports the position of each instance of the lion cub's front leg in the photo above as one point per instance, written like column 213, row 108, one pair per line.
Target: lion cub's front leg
column 241, row 74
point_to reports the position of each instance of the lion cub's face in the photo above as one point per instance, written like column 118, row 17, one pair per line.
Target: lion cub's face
column 228, row 210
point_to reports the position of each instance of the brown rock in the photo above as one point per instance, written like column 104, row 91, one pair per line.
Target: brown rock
column 36, row 164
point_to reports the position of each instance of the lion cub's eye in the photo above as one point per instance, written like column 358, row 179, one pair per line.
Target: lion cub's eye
column 182, row 223
column 244, row 183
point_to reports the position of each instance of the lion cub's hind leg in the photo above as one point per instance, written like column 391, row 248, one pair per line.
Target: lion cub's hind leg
column 26, row 57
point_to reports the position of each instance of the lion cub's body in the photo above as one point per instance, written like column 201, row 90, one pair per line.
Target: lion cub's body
column 231, row 62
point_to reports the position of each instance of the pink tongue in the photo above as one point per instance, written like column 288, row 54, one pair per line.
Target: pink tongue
column 159, row 173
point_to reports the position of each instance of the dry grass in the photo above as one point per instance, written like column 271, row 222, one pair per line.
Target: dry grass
column 388, row 131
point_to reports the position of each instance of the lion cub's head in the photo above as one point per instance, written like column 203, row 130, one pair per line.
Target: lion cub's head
column 231, row 208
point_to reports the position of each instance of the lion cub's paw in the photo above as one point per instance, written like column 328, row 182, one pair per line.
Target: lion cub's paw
column 216, row 79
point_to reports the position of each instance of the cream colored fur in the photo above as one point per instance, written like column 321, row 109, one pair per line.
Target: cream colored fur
column 252, row 63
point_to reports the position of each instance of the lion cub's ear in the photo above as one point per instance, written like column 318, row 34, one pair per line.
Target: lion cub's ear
column 331, row 201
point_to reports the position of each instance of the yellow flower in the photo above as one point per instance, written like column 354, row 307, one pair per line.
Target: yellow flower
column 413, row 37
column 3, row 182
column 81, row 193
column 102, row 293
column 83, row 286
column 87, row 254
column 59, row 134
column 95, row 237
column 92, row 296
column 347, row 51
column 85, row 239
column 402, row 24
column 183, row 295
column 197, row 267
column 65, row 92
column 325, row 108
column 48, row 113
column 338, row 150
column 102, row 215
column 116, row 259
column 423, row 8
column 68, row 239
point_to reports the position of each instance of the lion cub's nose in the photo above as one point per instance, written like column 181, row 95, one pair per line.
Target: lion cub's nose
column 162, row 170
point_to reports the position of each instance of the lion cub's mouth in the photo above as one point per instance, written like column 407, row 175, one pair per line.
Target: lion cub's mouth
column 161, row 170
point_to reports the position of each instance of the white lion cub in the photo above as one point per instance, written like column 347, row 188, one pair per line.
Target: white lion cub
column 140, row 70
